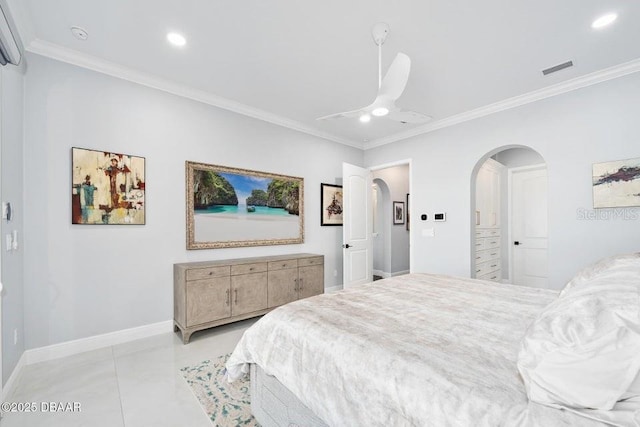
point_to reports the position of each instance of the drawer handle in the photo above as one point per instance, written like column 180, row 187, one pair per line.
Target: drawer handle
column 251, row 269
column 295, row 288
column 478, row 271
column 478, row 244
column 211, row 273
column 228, row 298
column 300, row 284
column 284, row 265
column 494, row 265
column 494, row 277
column 478, row 257
column 494, row 254
column 235, row 291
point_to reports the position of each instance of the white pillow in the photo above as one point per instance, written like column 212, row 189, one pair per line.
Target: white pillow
column 604, row 266
column 583, row 350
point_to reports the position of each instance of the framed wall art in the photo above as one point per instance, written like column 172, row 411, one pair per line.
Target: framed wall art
column 107, row 188
column 330, row 204
column 230, row 207
column 398, row 213
column 616, row 184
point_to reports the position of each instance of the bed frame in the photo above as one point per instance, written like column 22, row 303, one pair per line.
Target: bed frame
column 273, row 405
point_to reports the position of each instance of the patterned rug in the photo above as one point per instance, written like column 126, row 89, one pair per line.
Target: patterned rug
column 227, row 405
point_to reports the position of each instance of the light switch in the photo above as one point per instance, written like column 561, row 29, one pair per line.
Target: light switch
column 428, row 232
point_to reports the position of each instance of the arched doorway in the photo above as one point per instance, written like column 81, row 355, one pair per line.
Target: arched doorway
column 509, row 217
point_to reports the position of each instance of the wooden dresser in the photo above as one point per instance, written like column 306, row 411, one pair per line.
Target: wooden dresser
column 213, row 293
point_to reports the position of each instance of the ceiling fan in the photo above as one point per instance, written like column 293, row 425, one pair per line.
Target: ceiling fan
column 389, row 89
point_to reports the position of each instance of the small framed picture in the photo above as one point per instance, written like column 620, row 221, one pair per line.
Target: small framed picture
column 398, row 213
column 330, row 204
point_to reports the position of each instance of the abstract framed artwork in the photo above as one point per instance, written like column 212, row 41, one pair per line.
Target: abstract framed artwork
column 330, row 204
column 229, row 207
column 616, row 184
column 398, row 213
column 107, row 188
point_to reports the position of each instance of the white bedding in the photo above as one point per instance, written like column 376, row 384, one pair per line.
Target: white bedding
column 414, row 350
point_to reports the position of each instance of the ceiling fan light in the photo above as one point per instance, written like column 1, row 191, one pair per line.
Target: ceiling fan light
column 604, row 20
column 365, row 118
column 380, row 111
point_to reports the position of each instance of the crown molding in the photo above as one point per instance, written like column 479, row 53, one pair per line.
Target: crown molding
column 517, row 101
column 70, row 56
column 60, row 53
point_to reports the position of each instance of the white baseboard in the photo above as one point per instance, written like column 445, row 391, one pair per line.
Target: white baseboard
column 333, row 289
column 95, row 342
column 400, row 273
column 7, row 389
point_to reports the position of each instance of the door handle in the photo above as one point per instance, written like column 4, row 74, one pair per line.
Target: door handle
column 516, row 243
column 346, row 246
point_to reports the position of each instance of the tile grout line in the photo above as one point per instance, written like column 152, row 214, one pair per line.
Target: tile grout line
column 115, row 368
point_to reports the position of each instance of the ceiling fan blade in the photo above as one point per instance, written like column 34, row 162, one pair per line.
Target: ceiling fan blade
column 407, row 116
column 396, row 78
column 344, row 115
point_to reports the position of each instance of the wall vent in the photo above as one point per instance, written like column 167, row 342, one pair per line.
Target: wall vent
column 557, row 68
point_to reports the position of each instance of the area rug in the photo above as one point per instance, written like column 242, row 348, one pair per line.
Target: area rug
column 226, row 404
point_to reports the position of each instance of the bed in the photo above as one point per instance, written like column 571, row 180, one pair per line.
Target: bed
column 413, row 350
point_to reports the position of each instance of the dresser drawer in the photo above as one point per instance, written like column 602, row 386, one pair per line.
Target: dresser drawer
column 259, row 267
column 480, row 244
column 310, row 261
column 495, row 276
column 487, row 267
column 282, row 265
column 207, row 272
column 487, row 232
column 487, row 255
column 491, row 242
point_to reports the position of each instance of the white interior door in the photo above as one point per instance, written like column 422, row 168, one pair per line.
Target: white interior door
column 529, row 216
column 357, row 252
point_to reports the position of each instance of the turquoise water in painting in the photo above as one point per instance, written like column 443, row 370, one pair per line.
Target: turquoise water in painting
column 241, row 210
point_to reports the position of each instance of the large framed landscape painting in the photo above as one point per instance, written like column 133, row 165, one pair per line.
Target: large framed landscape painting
column 107, row 188
column 616, row 184
column 230, row 207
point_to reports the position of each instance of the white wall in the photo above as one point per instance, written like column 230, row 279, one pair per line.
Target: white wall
column 11, row 136
column 570, row 131
column 85, row 280
column 397, row 236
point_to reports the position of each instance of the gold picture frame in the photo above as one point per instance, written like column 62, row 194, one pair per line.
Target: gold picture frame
column 230, row 207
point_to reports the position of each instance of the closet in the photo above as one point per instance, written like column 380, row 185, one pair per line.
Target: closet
column 487, row 250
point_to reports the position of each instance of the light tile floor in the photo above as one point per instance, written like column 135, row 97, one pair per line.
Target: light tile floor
column 133, row 384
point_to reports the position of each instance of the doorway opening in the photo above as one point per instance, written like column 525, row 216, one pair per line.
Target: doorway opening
column 509, row 217
column 391, row 242
column 391, row 192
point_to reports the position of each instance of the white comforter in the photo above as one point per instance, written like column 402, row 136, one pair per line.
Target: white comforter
column 415, row 350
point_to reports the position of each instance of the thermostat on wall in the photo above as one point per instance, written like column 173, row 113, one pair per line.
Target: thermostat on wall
column 440, row 217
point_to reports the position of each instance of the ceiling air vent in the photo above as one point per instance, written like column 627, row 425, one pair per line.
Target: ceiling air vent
column 557, row 68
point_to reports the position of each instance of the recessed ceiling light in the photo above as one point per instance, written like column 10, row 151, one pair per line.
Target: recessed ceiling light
column 604, row 20
column 79, row 33
column 176, row 39
column 365, row 118
column 380, row 111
